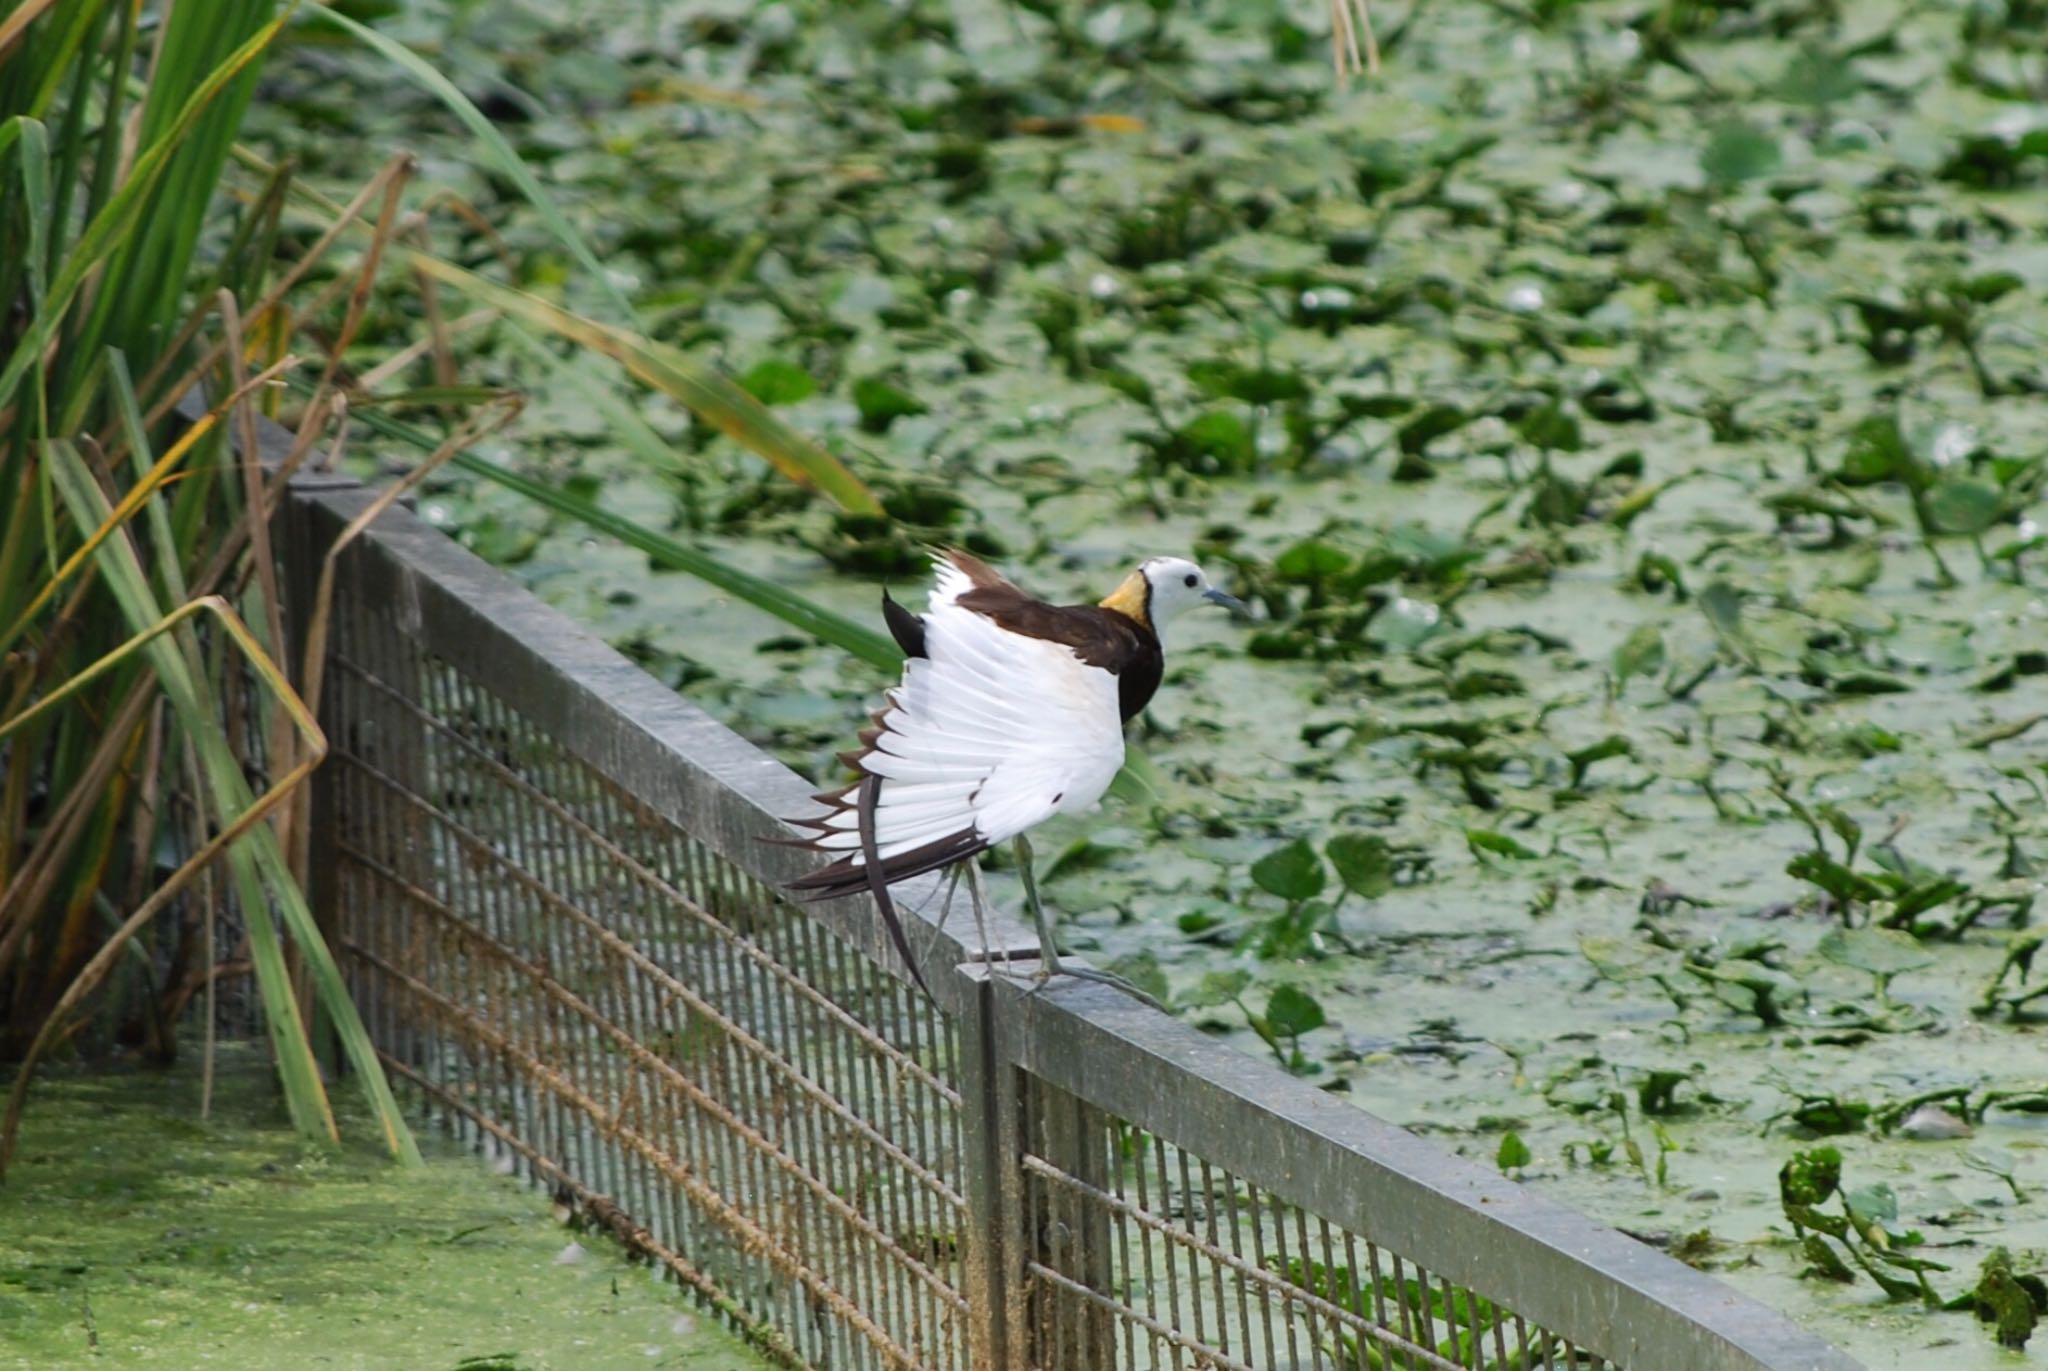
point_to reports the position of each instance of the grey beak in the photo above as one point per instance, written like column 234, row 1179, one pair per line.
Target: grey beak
column 1229, row 602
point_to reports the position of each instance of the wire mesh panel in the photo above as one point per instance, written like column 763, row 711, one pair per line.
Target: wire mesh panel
column 574, row 982
column 1146, row 1254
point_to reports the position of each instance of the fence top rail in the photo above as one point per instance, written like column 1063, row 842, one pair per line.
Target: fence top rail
column 1548, row 1263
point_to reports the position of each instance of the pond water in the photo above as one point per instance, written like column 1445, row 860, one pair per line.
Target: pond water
column 1625, row 419
column 134, row 1233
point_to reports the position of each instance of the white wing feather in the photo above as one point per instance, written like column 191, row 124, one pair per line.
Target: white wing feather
column 991, row 729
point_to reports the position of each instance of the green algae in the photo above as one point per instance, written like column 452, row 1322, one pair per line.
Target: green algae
column 134, row 1234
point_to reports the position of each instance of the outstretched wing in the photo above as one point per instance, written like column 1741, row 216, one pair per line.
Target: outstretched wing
column 989, row 733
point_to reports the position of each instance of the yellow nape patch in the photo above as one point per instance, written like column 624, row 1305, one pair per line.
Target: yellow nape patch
column 1133, row 599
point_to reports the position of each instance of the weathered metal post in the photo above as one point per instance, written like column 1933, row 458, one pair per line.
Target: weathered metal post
column 1026, row 1131
column 989, row 1136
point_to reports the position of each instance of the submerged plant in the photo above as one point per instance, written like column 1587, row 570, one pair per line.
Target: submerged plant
column 1366, row 865
column 1893, row 893
column 1290, row 1015
column 1471, row 1322
column 2013, row 1304
column 1858, row 1231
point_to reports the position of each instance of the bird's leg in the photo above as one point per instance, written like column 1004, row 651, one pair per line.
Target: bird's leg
column 975, row 898
column 1049, row 963
column 945, row 908
column 1048, row 955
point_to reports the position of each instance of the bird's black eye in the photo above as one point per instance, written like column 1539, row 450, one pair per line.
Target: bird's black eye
column 1191, row 581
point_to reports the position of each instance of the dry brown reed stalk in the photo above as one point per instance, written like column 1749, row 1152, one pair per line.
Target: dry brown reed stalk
column 256, row 500
column 441, row 336
column 205, row 361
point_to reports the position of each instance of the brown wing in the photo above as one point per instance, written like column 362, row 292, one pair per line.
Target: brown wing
column 1100, row 637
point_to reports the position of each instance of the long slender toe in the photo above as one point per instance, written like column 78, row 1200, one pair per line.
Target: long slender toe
column 1112, row 980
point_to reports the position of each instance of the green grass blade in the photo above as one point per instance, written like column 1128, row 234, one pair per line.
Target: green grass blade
column 788, row 606
column 56, row 58
column 109, row 228
column 153, row 269
column 129, row 407
column 34, row 158
column 147, row 273
column 703, row 389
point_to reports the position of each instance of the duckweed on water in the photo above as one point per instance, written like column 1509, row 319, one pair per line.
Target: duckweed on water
column 133, row 1234
column 1624, row 415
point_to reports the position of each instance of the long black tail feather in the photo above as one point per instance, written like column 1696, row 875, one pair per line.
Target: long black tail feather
column 878, row 880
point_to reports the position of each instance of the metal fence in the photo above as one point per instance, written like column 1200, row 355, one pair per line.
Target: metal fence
column 546, row 877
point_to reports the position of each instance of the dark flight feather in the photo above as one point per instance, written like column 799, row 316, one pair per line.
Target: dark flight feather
column 906, row 628
column 844, row 878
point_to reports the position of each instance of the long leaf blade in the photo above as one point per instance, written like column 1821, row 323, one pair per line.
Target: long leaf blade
column 797, row 611
column 675, row 373
column 793, row 609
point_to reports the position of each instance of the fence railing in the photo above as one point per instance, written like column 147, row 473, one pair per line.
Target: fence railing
column 547, row 878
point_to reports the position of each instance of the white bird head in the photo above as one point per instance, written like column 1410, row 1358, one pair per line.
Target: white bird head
column 1164, row 586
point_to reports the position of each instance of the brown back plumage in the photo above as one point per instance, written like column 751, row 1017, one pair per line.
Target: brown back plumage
column 1112, row 638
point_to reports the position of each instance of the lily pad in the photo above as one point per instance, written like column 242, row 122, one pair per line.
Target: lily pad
column 1293, row 872
column 1364, row 863
column 1959, row 504
column 1739, row 151
column 1881, row 952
